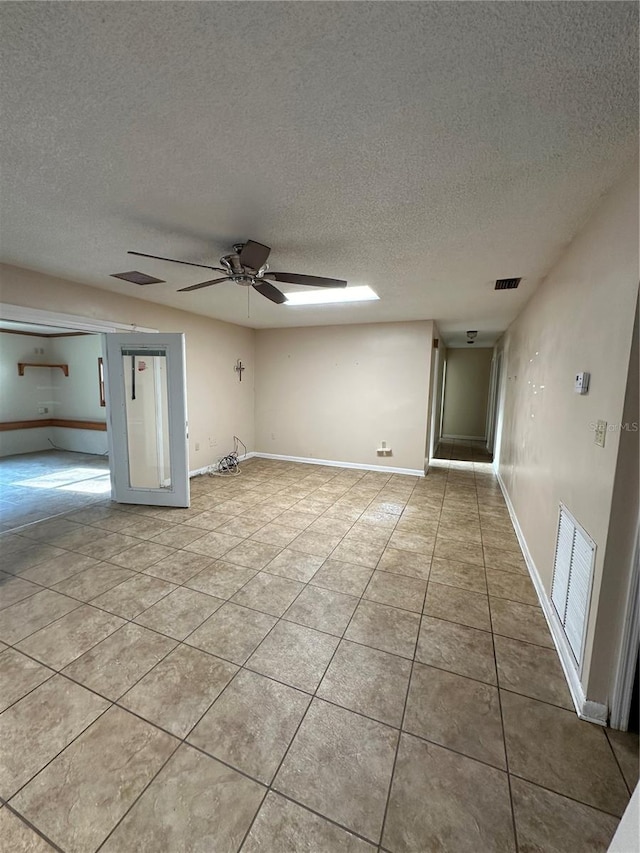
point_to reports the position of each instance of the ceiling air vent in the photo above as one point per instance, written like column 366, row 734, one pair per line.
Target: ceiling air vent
column 507, row 283
column 136, row 277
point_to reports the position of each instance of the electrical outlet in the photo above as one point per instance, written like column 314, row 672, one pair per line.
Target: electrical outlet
column 213, row 442
column 197, row 445
column 273, row 436
column 600, row 433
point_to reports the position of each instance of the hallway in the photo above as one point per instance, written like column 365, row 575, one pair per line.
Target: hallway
column 309, row 658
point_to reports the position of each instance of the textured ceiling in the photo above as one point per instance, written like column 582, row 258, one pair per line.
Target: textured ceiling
column 424, row 149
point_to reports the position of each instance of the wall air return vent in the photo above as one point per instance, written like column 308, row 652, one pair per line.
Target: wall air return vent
column 507, row 283
column 572, row 579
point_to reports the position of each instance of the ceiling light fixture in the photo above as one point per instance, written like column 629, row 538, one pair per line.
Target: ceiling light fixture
column 362, row 293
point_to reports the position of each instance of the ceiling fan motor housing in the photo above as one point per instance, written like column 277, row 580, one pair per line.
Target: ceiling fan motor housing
column 232, row 263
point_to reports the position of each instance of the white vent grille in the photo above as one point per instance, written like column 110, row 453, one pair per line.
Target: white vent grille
column 572, row 577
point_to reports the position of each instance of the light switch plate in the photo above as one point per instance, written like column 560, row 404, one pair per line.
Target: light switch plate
column 582, row 383
column 601, row 432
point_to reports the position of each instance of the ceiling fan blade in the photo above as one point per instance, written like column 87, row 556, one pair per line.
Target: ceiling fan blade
column 174, row 261
column 254, row 255
column 311, row 280
column 270, row 292
column 203, row 284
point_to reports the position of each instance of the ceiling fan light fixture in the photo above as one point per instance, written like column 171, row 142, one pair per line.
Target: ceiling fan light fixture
column 330, row 296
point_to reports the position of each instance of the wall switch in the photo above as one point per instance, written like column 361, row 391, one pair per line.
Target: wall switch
column 600, row 433
column 197, row 445
column 582, row 383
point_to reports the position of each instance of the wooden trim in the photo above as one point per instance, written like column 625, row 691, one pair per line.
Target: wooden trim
column 22, row 364
column 5, row 426
column 99, row 426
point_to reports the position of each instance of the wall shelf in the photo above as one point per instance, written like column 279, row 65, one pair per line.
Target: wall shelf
column 22, row 364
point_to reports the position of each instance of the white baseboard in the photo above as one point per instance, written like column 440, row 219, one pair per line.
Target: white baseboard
column 592, row 712
column 414, row 472
column 198, row 471
column 465, row 437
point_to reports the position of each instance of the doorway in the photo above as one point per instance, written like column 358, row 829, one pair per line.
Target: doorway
column 53, row 430
column 466, row 394
column 172, row 491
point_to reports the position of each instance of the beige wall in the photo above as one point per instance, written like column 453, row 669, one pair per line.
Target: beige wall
column 466, row 392
column 219, row 405
column 337, row 392
column 580, row 319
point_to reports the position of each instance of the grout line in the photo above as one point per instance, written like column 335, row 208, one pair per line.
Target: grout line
column 34, row 828
column 564, row 795
column 51, row 760
column 504, row 740
column 406, row 702
column 142, row 792
column 628, row 787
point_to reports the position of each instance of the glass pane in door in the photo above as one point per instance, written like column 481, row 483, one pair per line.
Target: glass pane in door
column 147, row 418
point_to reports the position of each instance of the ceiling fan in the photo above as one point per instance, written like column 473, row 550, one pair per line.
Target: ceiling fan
column 247, row 265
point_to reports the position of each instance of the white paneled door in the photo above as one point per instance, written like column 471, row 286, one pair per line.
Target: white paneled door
column 147, row 412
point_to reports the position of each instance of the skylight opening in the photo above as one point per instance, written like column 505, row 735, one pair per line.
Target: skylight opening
column 332, row 295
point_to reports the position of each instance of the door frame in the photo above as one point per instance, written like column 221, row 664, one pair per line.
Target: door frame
column 22, row 314
column 78, row 322
column 494, row 399
column 433, row 439
column 629, row 646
